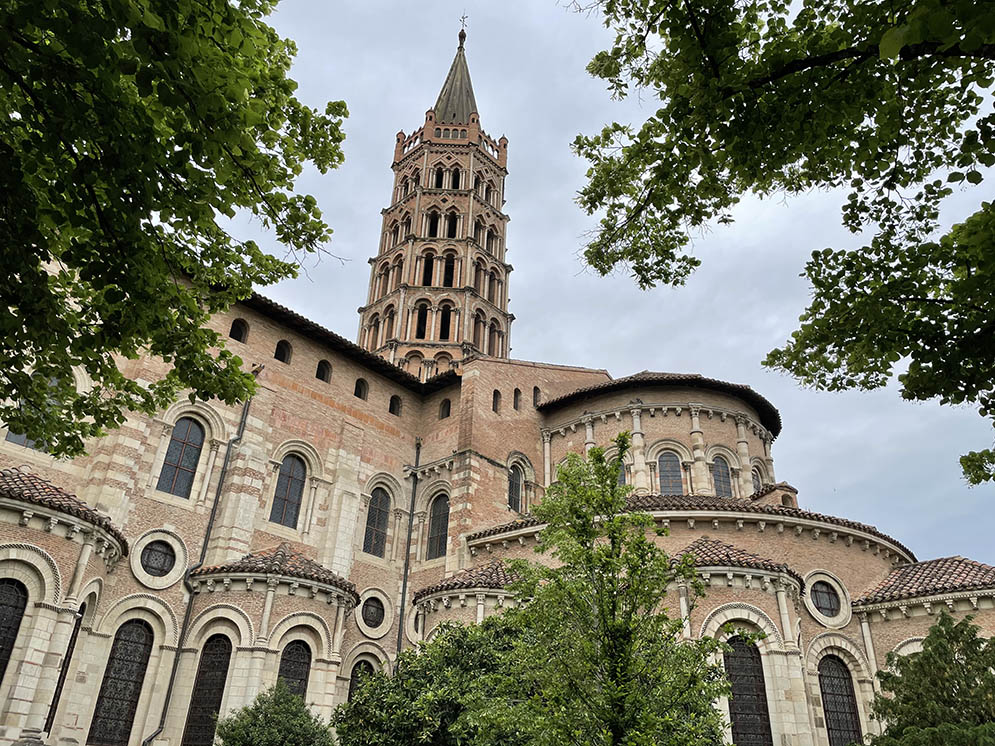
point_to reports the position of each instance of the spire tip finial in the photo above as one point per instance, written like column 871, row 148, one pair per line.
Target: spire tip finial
column 462, row 37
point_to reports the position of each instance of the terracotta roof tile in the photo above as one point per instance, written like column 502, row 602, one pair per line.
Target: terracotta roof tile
column 31, row 488
column 492, row 575
column 650, row 503
column 282, row 560
column 769, row 416
column 713, row 553
column 928, row 578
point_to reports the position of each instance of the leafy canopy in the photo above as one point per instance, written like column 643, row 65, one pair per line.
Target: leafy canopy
column 277, row 717
column 890, row 101
column 131, row 131
column 942, row 695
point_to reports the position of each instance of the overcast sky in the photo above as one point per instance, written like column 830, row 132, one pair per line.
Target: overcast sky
column 866, row 456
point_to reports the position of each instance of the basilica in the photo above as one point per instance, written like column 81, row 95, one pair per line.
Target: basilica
column 370, row 491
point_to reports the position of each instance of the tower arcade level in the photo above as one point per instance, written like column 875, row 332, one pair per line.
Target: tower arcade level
column 439, row 282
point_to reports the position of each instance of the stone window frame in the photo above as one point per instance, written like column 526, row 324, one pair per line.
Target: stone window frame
column 842, row 619
column 519, row 459
column 684, row 455
column 179, row 548
column 309, row 499
column 735, row 468
column 215, row 435
column 388, row 615
column 852, row 654
column 37, row 456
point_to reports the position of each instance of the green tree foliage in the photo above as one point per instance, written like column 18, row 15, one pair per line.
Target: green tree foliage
column 890, row 101
column 131, row 132
column 942, row 696
column 277, row 717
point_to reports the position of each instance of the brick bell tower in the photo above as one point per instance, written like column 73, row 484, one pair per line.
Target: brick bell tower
column 439, row 283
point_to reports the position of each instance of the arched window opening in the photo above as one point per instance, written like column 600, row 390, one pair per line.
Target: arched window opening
column 491, row 241
column 488, row 190
column 748, row 711
column 421, row 321
column 394, row 406
column 438, row 131
column 388, row 324
column 669, row 466
column 758, row 481
column 621, row 473
column 208, row 689
column 289, row 491
column 121, row 686
column 536, row 396
column 428, row 270
column 415, row 178
column 516, row 480
column 360, row 672
column 362, row 389
column 462, row 134
column 478, row 278
column 787, row 502
column 445, row 409
column 721, row 477
column 445, row 133
column 375, row 539
column 477, row 181
column 496, row 401
column 456, row 178
column 839, row 704
column 491, row 286
column 283, row 351
column 13, row 602
column 449, row 271
column 239, row 330
column 182, row 457
column 493, row 341
column 438, row 527
column 516, row 399
column 433, row 225
column 440, row 176
column 295, row 667
column 324, row 371
column 373, row 341
column 451, row 221
column 395, row 235
column 478, row 232
column 479, row 331
column 445, row 322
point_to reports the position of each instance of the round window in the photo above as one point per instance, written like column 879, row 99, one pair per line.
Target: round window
column 373, row 612
column 158, row 558
column 825, row 599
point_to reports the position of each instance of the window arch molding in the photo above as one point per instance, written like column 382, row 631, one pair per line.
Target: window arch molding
column 147, row 607
column 612, row 453
column 517, row 459
column 368, row 651
column 214, row 426
column 727, row 453
column 386, row 481
column 746, row 615
column 841, row 646
column 668, row 444
column 35, row 568
column 307, row 627
column 224, row 618
column 908, row 646
column 427, row 493
column 301, row 448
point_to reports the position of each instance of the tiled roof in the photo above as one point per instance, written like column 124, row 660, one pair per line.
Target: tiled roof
column 282, row 560
column 492, row 575
column 31, row 488
column 683, row 503
column 928, row 578
column 713, row 553
column 769, row 416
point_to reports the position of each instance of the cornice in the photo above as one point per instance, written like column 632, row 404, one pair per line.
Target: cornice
column 247, row 582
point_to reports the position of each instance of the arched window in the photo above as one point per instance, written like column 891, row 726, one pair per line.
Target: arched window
column 440, row 177
column 438, row 527
column 748, row 700
column 758, row 481
column 360, row 671
column 491, row 286
column 839, row 705
column 445, row 322
column 388, row 323
column 324, row 371
column 494, row 340
column 491, row 241
column 479, row 331
column 416, row 178
column 13, row 601
column 516, row 479
column 451, row 222
column 456, row 178
column 362, row 389
column 395, row 235
column 421, row 321
column 428, row 270
column 669, row 466
column 496, row 401
column 478, row 278
column 721, row 477
column 536, row 396
column 239, row 330
column 449, row 271
column 283, row 351
column 375, row 540
column 295, row 667
column 208, row 689
column 516, row 399
column 621, row 473
column 433, row 225
column 394, row 406
column 445, row 409
column 182, row 456
column 373, row 337
column 289, row 491
column 438, row 131
column 121, row 687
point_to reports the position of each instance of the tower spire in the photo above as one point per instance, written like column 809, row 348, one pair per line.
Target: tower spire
column 456, row 101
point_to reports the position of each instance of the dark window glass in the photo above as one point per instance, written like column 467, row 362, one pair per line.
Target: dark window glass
column 621, row 473
column 323, row 371
column 440, row 175
column 456, row 178
column 515, row 479
column 438, row 527
column 451, row 226
column 394, row 407
column 839, row 704
column 63, row 669
column 121, row 687
column 825, row 598
column 375, row 540
column 669, row 466
column 421, row 322
column 428, row 270
column 721, row 477
column 283, row 351
column 496, row 401
column 239, row 330
column 445, row 322
column 536, row 395
column 362, row 389
column 13, row 601
column 373, row 612
column 295, row 666
column 748, row 700
column 158, row 558
column 360, row 671
column 208, row 689
column 182, row 456
column 449, row 271
column 516, row 399
column 758, row 482
column 21, row 439
column 289, row 491
column 445, row 409
column 433, row 227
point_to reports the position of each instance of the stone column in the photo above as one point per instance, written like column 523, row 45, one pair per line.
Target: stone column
column 743, row 451
column 481, row 598
column 433, row 334
column 685, row 610
column 419, row 534
column 872, row 660
column 588, row 434
column 547, row 466
column 399, row 539
column 209, row 472
column 782, row 607
column 699, row 469
column 640, row 473
column 85, row 552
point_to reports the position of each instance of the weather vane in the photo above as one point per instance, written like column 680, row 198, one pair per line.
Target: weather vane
column 462, row 20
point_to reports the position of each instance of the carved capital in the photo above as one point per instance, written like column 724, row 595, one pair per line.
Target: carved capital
column 547, row 436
